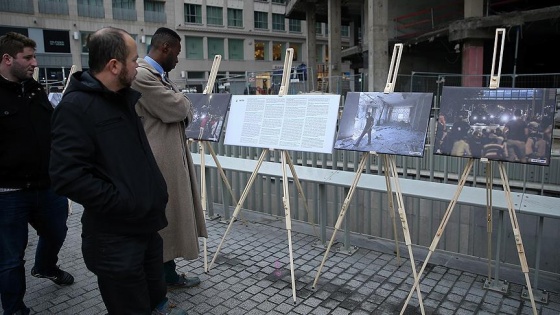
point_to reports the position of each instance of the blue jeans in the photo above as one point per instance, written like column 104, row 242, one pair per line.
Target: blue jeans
column 47, row 213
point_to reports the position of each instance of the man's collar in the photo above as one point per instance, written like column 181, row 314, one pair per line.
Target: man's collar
column 154, row 64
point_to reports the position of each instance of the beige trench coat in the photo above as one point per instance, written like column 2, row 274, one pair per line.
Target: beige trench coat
column 163, row 109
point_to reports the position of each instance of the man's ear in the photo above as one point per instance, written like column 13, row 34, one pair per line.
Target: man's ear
column 113, row 66
column 165, row 47
column 7, row 58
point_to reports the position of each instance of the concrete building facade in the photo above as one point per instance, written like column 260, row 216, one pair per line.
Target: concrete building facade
column 251, row 36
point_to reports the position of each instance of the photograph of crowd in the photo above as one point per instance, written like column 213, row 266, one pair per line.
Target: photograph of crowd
column 209, row 114
column 505, row 124
column 387, row 123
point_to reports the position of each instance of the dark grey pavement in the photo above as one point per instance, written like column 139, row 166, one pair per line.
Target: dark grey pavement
column 251, row 276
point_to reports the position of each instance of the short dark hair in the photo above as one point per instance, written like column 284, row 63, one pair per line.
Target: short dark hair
column 13, row 43
column 163, row 35
column 106, row 44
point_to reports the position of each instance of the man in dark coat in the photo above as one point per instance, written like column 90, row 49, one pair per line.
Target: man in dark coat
column 26, row 197
column 102, row 160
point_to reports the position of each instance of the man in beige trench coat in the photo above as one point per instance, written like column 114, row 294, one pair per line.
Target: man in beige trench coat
column 165, row 111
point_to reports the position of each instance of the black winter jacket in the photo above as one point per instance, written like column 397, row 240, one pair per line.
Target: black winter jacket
column 25, row 126
column 101, row 159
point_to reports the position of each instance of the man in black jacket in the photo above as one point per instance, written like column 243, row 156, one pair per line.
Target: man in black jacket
column 25, row 193
column 101, row 159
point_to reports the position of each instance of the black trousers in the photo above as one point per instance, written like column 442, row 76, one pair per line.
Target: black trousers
column 129, row 270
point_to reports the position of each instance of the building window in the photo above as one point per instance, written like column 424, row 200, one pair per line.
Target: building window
column 124, row 10
column 279, row 1
column 278, row 51
column 235, row 17
column 345, row 30
column 319, row 53
column 319, row 28
column 235, row 49
column 193, row 48
column 215, row 47
column 294, row 26
column 20, row 6
column 214, row 16
column 193, row 14
column 278, row 22
column 91, row 8
column 261, row 20
column 261, row 50
column 53, row 7
column 297, row 50
column 196, row 75
column 154, row 11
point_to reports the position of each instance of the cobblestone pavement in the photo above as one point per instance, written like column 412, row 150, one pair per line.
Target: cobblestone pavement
column 251, row 275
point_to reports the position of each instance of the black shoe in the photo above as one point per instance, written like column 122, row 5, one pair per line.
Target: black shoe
column 185, row 282
column 60, row 276
column 23, row 311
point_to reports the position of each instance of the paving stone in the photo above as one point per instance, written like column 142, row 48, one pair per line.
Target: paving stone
column 252, row 276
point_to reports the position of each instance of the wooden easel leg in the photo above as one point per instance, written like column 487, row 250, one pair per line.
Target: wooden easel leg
column 222, row 173
column 392, row 167
column 300, row 189
column 440, row 230
column 240, row 203
column 203, row 198
column 489, row 186
column 391, row 205
column 492, row 284
column 342, row 213
column 517, row 234
column 287, row 212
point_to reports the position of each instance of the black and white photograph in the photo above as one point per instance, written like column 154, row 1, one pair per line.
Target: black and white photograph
column 209, row 114
column 505, row 124
column 386, row 123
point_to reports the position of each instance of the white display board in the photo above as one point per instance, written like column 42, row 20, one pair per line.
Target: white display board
column 303, row 122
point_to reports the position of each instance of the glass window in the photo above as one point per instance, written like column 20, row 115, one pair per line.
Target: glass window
column 278, row 22
column 196, row 74
column 124, row 4
column 235, row 49
column 261, row 20
column 319, row 53
column 279, row 1
column 345, row 30
column 214, row 16
column 297, row 50
column 261, row 50
column 193, row 14
column 235, row 17
column 154, row 6
column 91, row 8
column 278, row 51
column 154, row 11
column 295, row 26
column 193, row 48
column 215, row 47
column 91, row 2
column 319, row 28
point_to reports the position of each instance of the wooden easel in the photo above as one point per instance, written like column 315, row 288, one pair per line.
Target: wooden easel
column 391, row 174
column 201, row 145
column 286, row 196
column 494, row 83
